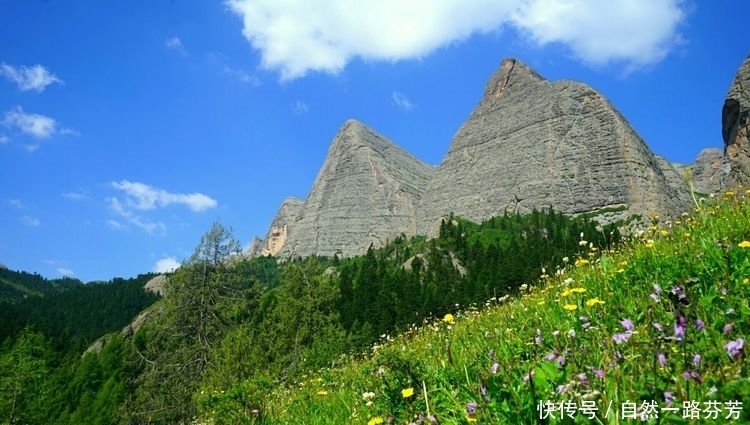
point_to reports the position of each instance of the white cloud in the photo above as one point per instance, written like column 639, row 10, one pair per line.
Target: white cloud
column 402, row 101
column 35, row 125
column 28, row 78
column 144, row 197
column 174, row 43
column 16, row 202
column 298, row 36
column 75, row 196
column 300, row 107
column 243, row 76
column 30, row 221
column 4, row 139
column 132, row 218
column 166, row 265
column 65, row 271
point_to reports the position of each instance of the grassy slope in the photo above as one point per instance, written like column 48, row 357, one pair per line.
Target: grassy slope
column 475, row 367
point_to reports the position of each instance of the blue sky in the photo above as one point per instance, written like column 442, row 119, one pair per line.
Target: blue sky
column 127, row 128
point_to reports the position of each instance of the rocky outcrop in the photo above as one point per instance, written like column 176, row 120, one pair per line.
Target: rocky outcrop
column 735, row 126
column 157, row 285
column 709, row 171
column 366, row 193
column 279, row 231
column 533, row 143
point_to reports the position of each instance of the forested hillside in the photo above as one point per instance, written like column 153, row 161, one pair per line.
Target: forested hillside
column 229, row 320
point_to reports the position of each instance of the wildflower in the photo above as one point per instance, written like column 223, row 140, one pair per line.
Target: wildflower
column 729, row 311
column 583, row 379
column 566, row 259
column 727, row 328
column 449, row 319
column 658, row 326
column 594, row 301
column 679, row 328
column 375, row 421
column 696, row 360
column 368, row 395
column 662, row 359
column 664, row 232
column 570, row 307
column 621, row 337
column 734, row 348
column 552, row 356
column 654, row 297
column 407, row 392
column 627, row 324
column 691, row 374
column 491, row 354
column 494, row 367
column 471, row 408
column 578, row 290
column 699, row 324
column 581, row 262
column 528, row 376
column 562, row 389
column 744, row 244
column 668, row 398
column 568, row 281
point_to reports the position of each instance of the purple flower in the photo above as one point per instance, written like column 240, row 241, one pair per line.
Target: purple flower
column 696, row 360
column 658, row 326
column 691, row 374
column 734, row 348
column 621, row 337
column 583, row 379
column 657, row 288
column 494, row 367
column 538, row 340
column 471, row 408
column 662, row 359
column 598, row 372
column 655, row 297
column 562, row 389
column 551, row 356
column 699, row 324
column 618, row 355
column 560, row 360
column 668, row 398
column 627, row 324
column 727, row 328
column 677, row 289
column 679, row 328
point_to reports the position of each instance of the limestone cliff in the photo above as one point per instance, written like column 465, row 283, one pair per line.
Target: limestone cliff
column 735, row 120
column 533, row 143
column 366, row 193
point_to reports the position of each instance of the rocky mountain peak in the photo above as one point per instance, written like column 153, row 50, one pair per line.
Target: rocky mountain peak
column 365, row 193
column 735, row 119
column 533, row 143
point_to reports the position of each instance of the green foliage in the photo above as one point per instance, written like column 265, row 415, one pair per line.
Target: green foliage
column 15, row 286
column 661, row 319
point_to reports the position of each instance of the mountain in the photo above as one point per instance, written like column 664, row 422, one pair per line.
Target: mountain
column 735, row 120
column 533, row 143
column 366, row 193
column 15, row 286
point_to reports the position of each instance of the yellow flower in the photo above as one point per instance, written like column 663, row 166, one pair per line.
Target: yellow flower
column 375, row 421
column 544, row 302
column 664, row 233
column 746, row 281
column 322, row 392
column 566, row 292
column 686, row 235
column 407, row 392
column 581, row 262
column 594, row 301
column 578, row 290
column 449, row 319
column 728, row 193
column 744, row 244
column 570, row 307
column 471, row 419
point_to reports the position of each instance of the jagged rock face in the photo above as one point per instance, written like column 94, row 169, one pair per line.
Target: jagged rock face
column 532, row 143
column 735, row 120
column 366, row 193
column 279, row 230
column 709, row 171
column 157, row 285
